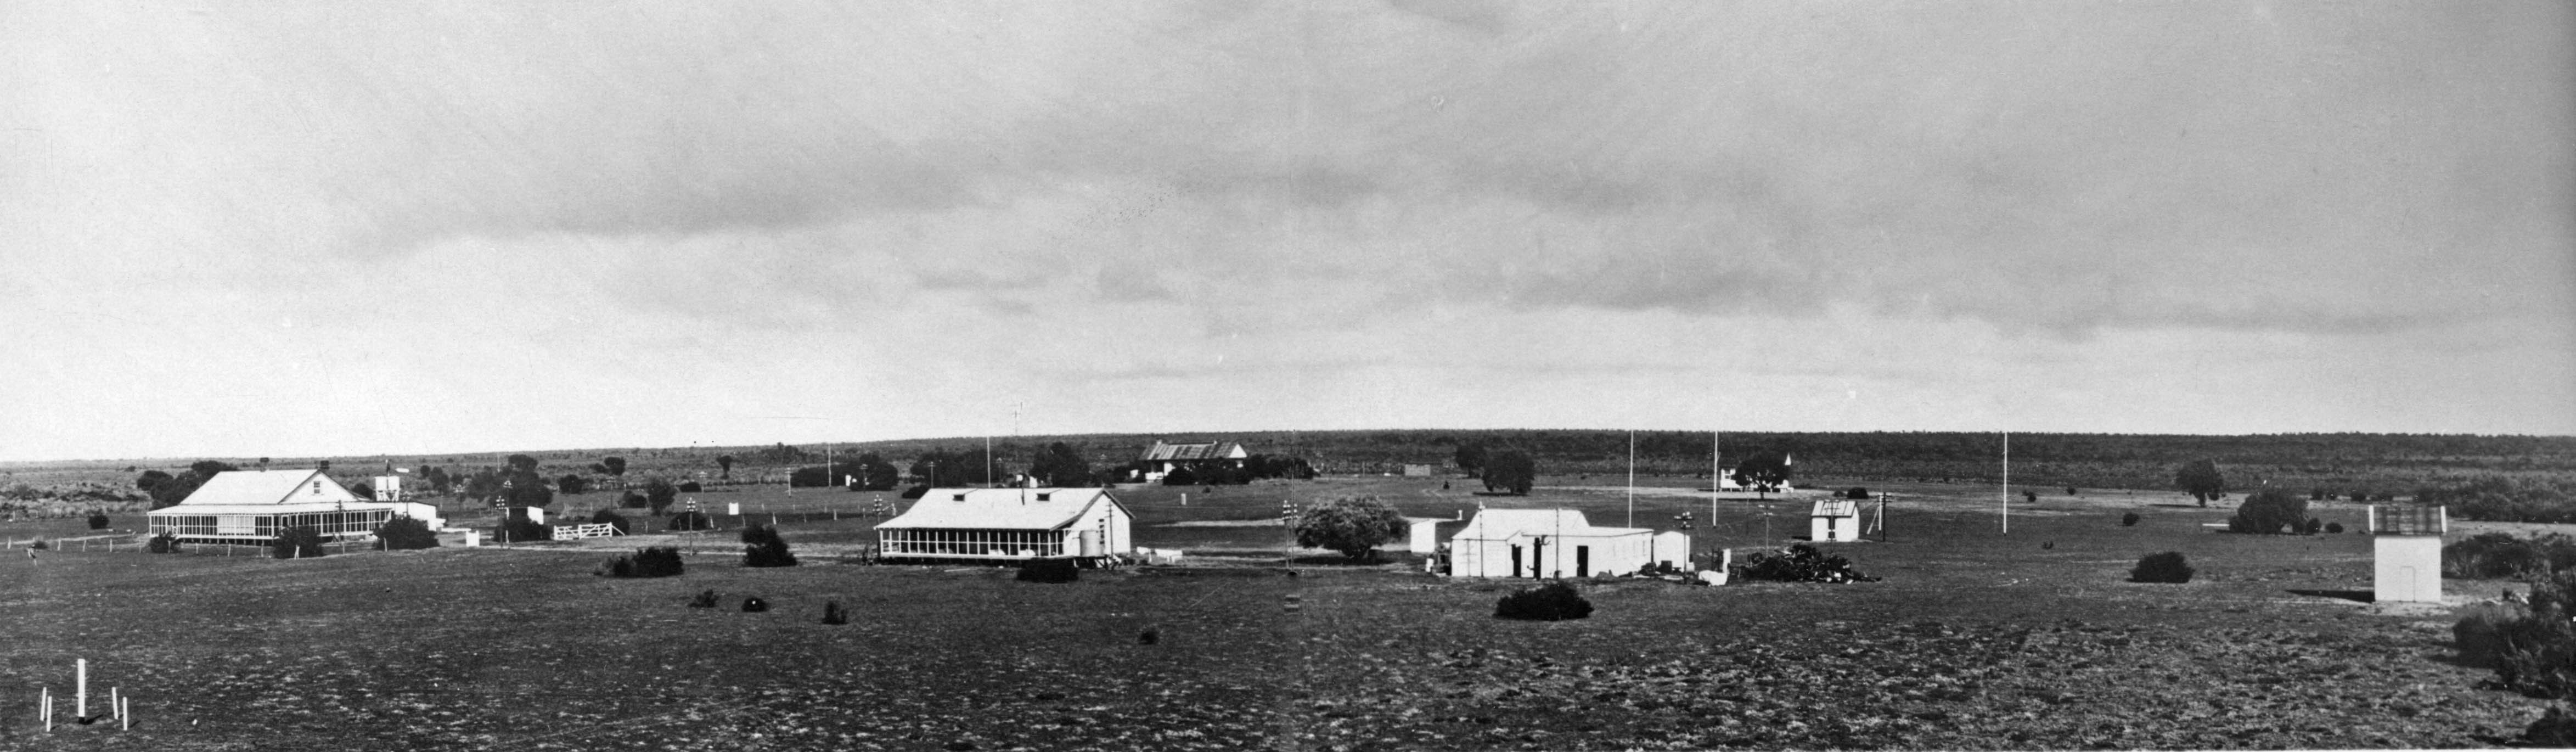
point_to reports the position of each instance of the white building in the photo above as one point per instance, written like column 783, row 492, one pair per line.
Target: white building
column 1007, row 524
column 252, row 506
column 1834, row 521
column 2406, row 548
column 1557, row 543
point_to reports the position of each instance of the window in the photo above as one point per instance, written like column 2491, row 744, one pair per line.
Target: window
column 960, row 497
column 1043, row 496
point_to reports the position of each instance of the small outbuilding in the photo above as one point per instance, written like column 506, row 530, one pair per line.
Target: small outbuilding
column 1834, row 521
column 1548, row 543
column 991, row 525
column 1161, row 459
column 2406, row 553
column 251, row 507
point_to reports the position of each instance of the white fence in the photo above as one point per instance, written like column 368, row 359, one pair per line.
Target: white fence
column 591, row 530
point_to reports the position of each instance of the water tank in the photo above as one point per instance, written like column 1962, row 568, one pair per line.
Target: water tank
column 1091, row 543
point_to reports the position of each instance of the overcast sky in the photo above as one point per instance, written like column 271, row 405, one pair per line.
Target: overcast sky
column 250, row 229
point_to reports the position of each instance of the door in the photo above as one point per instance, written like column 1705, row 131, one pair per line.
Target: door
column 1582, row 561
column 1516, row 560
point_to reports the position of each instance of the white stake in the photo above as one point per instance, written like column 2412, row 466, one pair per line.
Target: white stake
column 126, row 719
column 112, row 705
column 80, row 696
column 48, row 710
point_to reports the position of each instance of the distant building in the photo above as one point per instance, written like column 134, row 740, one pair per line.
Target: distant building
column 1161, row 459
column 253, row 506
column 1548, row 543
column 1834, row 521
column 1007, row 524
column 1414, row 470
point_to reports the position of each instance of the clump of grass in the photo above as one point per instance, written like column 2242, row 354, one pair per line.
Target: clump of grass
column 2129, row 519
column 705, row 599
column 834, row 614
column 1555, row 601
column 754, row 605
column 2167, row 567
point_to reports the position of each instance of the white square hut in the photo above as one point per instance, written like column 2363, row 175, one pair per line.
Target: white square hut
column 2406, row 548
column 1834, row 521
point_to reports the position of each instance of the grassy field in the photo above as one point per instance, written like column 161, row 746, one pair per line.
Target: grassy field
column 1974, row 640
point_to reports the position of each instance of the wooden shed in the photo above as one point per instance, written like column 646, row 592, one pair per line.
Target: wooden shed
column 992, row 525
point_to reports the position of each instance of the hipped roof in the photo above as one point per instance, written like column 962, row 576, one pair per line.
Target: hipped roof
column 1001, row 508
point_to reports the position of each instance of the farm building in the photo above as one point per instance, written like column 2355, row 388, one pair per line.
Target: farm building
column 1007, row 524
column 1557, row 543
column 1834, row 521
column 1161, row 459
column 252, row 506
column 2406, row 553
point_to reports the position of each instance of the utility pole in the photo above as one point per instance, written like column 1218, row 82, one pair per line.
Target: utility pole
column 2007, row 482
column 1632, row 477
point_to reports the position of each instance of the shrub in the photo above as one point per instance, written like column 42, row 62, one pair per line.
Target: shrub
column 1555, row 601
column 631, row 500
column 832, row 613
column 39, row 545
column 914, row 492
column 522, row 530
column 611, row 518
column 762, row 547
column 98, row 521
column 754, row 605
column 1801, row 563
column 659, row 494
column 1180, row 476
column 1856, row 492
column 2489, row 556
column 2030, row 496
column 2313, row 526
column 692, row 520
column 2485, row 631
column 572, row 484
column 2168, row 567
column 1051, row 570
column 2334, row 527
column 705, row 599
column 299, row 542
column 405, row 533
column 2268, row 512
column 2070, row 491
column 691, row 486
column 1354, row 526
column 2128, row 519
column 2533, row 650
column 658, row 561
column 164, row 543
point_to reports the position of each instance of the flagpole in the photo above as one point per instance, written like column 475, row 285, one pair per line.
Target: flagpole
column 2007, row 482
column 1632, row 477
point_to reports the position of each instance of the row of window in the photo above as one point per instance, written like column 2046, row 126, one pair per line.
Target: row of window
column 971, row 542
column 352, row 522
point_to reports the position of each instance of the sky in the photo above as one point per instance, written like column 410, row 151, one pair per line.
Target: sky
column 298, row 229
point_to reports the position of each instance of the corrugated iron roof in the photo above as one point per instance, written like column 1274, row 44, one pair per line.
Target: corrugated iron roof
column 269, row 487
column 1497, row 524
column 1215, row 450
column 1000, row 508
column 1836, row 508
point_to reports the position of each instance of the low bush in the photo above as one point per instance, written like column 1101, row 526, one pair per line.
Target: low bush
column 2486, row 632
column 1801, row 563
column 691, row 486
column 2167, row 567
column 763, row 547
column 405, row 533
column 2498, row 556
column 2268, row 512
column 2334, row 527
column 657, row 561
column 692, row 521
column 1052, row 570
column 2313, row 526
column 832, row 613
column 705, row 599
column 2030, row 496
column 2129, row 519
column 98, row 521
column 754, row 605
column 631, row 500
column 2533, row 648
column 40, row 545
column 1856, row 492
column 1555, row 601
column 299, row 542
column 522, row 530
column 164, row 543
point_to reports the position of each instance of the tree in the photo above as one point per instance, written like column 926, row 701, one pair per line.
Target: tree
column 763, row 547
column 945, row 468
column 522, row 463
column 484, row 486
column 526, row 489
column 208, row 468
column 876, row 474
column 1059, row 465
column 2268, row 511
column 724, row 463
column 611, row 518
column 363, row 490
column 1471, row 458
column 611, row 465
column 299, row 542
column 1510, row 471
column 437, row 479
column 572, row 484
column 658, row 494
column 2200, row 478
column 405, row 533
column 151, row 479
column 1764, row 471
column 1354, row 526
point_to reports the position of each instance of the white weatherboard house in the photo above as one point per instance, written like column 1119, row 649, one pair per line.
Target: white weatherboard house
column 1834, row 521
column 1556, row 543
column 252, row 506
column 2406, row 548
column 1007, row 524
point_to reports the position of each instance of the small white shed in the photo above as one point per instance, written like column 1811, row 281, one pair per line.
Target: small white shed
column 1556, row 543
column 2406, row 548
column 1834, row 521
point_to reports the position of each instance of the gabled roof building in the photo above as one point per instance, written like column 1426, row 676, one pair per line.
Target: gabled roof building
column 253, row 506
column 1007, row 524
column 1161, row 459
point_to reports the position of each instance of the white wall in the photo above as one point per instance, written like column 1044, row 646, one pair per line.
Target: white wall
column 2406, row 568
column 1612, row 554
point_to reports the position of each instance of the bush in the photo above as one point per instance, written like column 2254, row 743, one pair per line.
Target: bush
column 754, row 605
column 164, row 543
column 299, row 542
column 2269, row 512
column 522, row 530
column 1555, row 601
column 2486, row 630
column 2493, row 556
column 40, row 545
column 2167, row 567
column 705, row 599
column 2533, row 650
column 914, row 492
column 1051, row 570
column 692, row 521
column 611, row 518
column 1354, row 526
column 98, row 521
column 691, row 486
column 572, row 484
column 2334, row 528
column 1181, row 476
column 1801, row 563
column 2129, row 519
column 2313, row 526
column 659, row 494
column 832, row 613
column 657, row 561
column 762, row 547
column 403, row 534
column 1856, row 492
column 631, row 500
